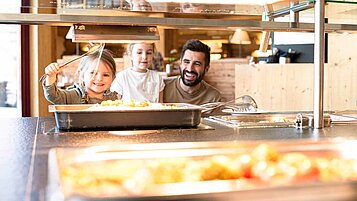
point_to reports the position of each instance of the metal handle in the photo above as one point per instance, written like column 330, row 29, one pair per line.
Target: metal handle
column 247, row 104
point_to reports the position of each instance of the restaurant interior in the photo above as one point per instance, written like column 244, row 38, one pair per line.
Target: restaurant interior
column 284, row 129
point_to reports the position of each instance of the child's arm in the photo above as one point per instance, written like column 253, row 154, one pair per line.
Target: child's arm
column 51, row 70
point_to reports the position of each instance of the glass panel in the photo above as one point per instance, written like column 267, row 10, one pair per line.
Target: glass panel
column 10, row 6
column 167, row 6
column 171, row 6
column 11, row 61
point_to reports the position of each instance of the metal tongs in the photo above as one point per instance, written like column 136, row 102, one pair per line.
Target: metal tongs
column 99, row 48
column 242, row 104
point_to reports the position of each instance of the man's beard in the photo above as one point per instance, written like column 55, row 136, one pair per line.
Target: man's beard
column 192, row 83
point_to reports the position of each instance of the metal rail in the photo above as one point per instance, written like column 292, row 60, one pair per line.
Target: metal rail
column 295, row 8
column 319, row 50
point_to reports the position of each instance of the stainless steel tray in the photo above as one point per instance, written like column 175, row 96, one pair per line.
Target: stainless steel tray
column 234, row 189
column 268, row 120
column 83, row 117
column 255, row 120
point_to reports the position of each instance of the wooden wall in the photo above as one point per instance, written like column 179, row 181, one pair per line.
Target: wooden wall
column 222, row 76
column 289, row 87
column 276, row 87
column 42, row 52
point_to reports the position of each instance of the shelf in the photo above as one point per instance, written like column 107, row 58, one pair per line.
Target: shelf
column 177, row 23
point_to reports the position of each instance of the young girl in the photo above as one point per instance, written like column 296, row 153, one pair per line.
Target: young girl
column 138, row 82
column 93, row 82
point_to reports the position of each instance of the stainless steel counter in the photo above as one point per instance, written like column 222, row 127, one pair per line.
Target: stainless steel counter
column 25, row 143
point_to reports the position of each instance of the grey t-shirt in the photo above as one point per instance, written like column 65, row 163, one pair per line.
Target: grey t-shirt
column 74, row 94
column 173, row 93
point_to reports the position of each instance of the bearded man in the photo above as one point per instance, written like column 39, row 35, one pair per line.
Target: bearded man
column 190, row 87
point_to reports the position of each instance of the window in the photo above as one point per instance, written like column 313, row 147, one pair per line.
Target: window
column 10, row 56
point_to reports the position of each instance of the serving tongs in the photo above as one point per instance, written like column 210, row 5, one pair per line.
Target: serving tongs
column 99, row 48
column 242, row 104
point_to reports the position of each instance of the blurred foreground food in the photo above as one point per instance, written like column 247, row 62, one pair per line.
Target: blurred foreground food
column 263, row 166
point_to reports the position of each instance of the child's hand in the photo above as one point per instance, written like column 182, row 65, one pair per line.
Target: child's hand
column 51, row 70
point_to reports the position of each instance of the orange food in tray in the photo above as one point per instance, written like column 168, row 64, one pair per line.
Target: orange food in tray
column 131, row 103
column 263, row 166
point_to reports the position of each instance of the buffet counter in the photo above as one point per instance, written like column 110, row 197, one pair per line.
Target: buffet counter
column 26, row 143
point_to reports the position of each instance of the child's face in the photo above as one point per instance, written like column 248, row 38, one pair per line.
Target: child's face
column 142, row 55
column 101, row 80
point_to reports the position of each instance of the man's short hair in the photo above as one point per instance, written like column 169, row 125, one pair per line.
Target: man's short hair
column 197, row 46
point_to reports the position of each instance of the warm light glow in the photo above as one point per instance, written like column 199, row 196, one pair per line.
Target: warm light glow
column 103, row 155
column 89, row 47
column 345, row 33
column 135, row 132
column 240, row 2
column 215, row 57
column 278, row 119
column 215, row 45
column 258, row 53
column 258, row 38
column 349, row 149
column 240, row 37
column 215, row 41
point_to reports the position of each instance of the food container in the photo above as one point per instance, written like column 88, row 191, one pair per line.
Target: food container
column 156, row 115
column 301, row 170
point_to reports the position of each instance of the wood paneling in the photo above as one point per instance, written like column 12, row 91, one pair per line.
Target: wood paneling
column 221, row 75
column 275, row 86
column 289, row 87
column 43, row 50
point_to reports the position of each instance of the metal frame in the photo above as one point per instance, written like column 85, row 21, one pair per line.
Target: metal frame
column 318, row 27
column 187, row 23
column 319, row 52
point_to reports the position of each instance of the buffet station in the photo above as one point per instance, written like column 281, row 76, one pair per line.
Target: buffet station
column 204, row 171
column 142, row 151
